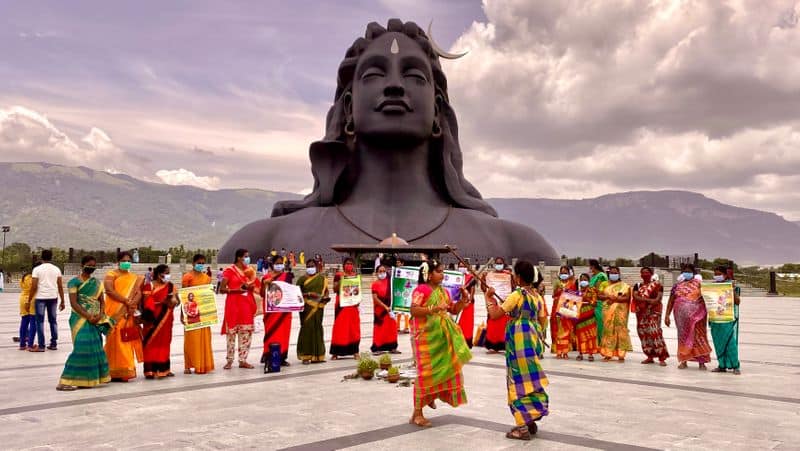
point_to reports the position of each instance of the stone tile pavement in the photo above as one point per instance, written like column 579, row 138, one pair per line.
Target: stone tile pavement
column 593, row 405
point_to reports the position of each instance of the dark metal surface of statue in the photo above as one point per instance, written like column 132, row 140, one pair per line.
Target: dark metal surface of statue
column 390, row 162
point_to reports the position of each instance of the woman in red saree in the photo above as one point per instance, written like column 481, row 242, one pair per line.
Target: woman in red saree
column 690, row 319
column 346, row 336
column 496, row 328
column 277, row 325
column 586, row 326
column 647, row 306
column 562, row 329
column 240, row 307
column 384, row 326
column 466, row 321
column 158, row 303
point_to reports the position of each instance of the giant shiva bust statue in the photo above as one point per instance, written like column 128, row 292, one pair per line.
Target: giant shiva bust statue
column 390, row 162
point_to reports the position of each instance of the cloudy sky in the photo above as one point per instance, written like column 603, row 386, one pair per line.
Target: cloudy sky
column 557, row 98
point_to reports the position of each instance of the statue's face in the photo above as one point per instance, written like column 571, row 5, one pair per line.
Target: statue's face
column 393, row 90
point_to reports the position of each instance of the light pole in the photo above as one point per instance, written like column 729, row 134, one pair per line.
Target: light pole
column 5, row 230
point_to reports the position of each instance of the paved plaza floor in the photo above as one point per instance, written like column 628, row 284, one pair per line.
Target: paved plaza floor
column 593, row 405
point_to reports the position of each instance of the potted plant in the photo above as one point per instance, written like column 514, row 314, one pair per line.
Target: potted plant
column 394, row 375
column 367, row 367
column 385, row 361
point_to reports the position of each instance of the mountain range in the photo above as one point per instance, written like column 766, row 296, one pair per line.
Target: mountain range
column 52, row 205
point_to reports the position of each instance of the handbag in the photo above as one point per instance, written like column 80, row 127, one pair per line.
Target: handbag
column 131, row 332
column 480, row 336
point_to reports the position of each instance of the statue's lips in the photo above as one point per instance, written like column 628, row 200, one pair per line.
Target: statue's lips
column 393, row 106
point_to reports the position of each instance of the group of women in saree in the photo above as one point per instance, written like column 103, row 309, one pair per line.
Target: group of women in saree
column 601, row 323
column 137, row 318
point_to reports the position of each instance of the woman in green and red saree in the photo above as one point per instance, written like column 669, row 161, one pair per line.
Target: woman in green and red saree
column 384, row 326
column 598, row 281
column 277, row 325
column 525, row 379
column 311, row 341
column 87, row 365
column 346, row 335
column 586, row 326
column 159, row 300
column 440, row 350
column 690, row 319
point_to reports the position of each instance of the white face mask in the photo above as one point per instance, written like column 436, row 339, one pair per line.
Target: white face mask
column 719, row 278
column 462, row 270
column 499, row 267
column 165, row 277
column 311, row 271
column 381, row 275
column 279, row 267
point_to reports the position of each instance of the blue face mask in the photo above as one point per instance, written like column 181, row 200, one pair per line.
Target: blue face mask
column 499, row 267
column 199, row 267
column 279, row 267
column 584, row 283
column 563, row 276
column 719, row 278
column 688, row 275
column 613, row 277
column 311, row 271
column 246, row 260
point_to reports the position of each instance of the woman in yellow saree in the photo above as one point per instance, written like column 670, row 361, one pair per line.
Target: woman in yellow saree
column 197, row 351
column 616, row 297
column 124, row 343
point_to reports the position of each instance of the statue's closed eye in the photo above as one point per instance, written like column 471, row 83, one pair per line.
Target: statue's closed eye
column 372, row 72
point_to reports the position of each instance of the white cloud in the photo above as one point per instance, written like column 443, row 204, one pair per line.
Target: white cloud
column 27, row 135
column 576, row 98
column 183, row 177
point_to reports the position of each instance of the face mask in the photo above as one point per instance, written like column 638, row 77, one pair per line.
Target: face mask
column 584, row 283
column 311, row 271
column 125, row 266
column 499, row 267
column 199, row 267
column 462, row 270
column 563, row 276
column 246, row 260
column 381, row 275
column 719, row 278
column 687, row 275
column 165, row 277
column 613, row 277
column 89, row 269
column 279, row 267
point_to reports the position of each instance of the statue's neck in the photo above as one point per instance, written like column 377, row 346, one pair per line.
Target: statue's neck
column 394, row 178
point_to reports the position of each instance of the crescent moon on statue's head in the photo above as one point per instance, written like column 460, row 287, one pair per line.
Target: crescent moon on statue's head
column 439, row 51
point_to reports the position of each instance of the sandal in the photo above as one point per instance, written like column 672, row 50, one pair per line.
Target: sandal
column 682, row 366
column 579, row 358
column 737, row 372
column 719, row 370
column 420, row 421
column 662, row 363
column 334, row 357
column 62, row 387
column 228, row 366
column 519, row 433
column 702, row 367
column 647, row 361
column 432, row 404
column 591, row 358
column 245, row 365
column 187, row 371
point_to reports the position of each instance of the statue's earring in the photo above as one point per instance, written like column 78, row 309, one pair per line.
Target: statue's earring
column 349, row 126
column 437, row 130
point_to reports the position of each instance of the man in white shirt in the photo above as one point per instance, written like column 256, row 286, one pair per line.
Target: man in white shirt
column 47, row 289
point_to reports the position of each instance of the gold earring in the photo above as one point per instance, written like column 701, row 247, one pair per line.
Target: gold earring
column 349, row 128
column 437, row 130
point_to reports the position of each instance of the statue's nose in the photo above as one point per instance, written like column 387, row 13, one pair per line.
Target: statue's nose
column 394, row 86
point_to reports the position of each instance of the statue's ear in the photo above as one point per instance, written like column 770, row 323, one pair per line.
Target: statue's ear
column 347, row 105
column 328, row 161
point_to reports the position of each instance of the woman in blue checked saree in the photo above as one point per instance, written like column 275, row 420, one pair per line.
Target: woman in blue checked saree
column 524, row 346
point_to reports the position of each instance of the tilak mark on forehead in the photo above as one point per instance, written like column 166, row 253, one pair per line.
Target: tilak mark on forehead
column 395, row 49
